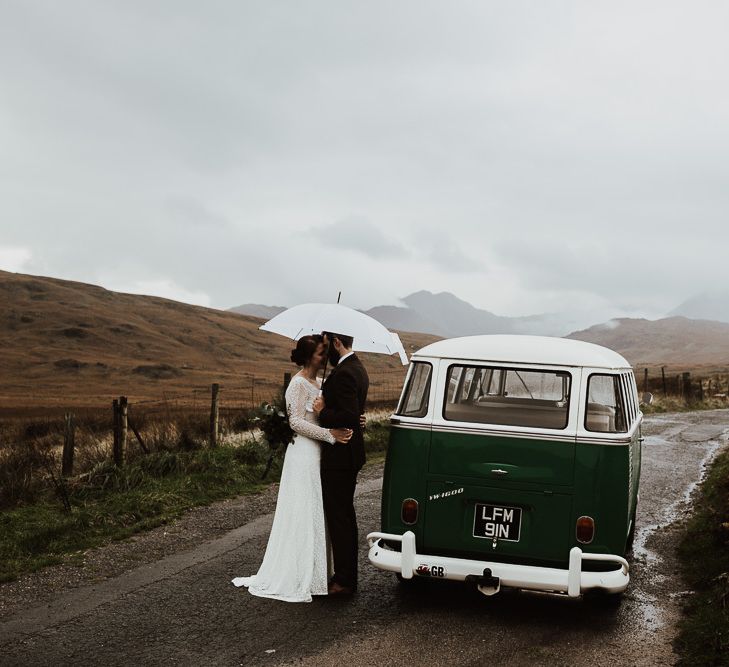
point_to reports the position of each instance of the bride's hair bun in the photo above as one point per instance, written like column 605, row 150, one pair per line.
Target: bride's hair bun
column 304, row 350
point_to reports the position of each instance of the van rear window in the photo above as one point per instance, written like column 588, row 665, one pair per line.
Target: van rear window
column 508, row 396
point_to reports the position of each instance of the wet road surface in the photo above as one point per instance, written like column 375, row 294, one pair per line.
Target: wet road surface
column 183, row 610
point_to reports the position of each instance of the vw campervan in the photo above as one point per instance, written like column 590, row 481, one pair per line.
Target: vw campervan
column 513, row 461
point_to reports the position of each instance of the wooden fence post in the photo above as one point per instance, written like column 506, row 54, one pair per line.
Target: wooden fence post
column 137, row 435
column 687, row 386
column 645, row 380
column 701, row 389
column 663, row 377
column 123, row 424
column 116, row 429
column 68, row 445
column 214, row 415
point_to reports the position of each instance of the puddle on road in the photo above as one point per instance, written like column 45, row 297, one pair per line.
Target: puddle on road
column 702, row 433
column 649, row 608
column 714, row 446
column 674, row 510
column 648, row 605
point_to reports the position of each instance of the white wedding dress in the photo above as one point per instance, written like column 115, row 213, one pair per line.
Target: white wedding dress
column 295, row 565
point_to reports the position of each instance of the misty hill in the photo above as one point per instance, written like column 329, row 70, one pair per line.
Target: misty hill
column 455, row 317
column 707, row 306
column 405, row 319
column 68, row 343
column 446, row 315
column 450, row 316
column 677, row 342
column 672, row 341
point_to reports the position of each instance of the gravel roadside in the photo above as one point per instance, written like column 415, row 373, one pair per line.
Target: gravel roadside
column 195, row 527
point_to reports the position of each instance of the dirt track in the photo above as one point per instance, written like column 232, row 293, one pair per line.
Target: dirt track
column 181, row 609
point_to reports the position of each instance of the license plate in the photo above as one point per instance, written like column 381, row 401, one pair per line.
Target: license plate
column 497, row 522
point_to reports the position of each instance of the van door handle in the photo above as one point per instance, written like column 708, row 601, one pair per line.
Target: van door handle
column 499, row 471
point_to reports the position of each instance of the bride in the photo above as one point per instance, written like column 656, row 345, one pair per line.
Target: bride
column 294, row 566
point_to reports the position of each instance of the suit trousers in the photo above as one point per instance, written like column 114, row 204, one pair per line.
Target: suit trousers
column 338, row 496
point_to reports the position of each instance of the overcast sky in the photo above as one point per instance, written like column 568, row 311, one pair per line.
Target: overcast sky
column 526, row 156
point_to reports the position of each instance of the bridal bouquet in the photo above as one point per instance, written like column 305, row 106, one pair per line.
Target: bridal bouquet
column 274, row 423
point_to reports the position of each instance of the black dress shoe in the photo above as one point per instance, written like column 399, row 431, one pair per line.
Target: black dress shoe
column 338, row 589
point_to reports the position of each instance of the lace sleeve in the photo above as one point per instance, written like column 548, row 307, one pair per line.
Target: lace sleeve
column 296, row 399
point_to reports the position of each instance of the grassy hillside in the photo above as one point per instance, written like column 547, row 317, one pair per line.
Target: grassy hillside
column 676, row 342
column 71, row 344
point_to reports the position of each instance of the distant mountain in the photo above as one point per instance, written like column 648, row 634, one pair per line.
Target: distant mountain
column 446, row 315
column 406, row 319
column 257, row 310
column 672, row 341
column 455, row 316
column 707, row 306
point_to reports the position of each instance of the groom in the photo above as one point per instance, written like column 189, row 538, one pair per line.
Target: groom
column 344, row 393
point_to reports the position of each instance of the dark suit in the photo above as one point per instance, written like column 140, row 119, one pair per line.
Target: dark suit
column 345, row 394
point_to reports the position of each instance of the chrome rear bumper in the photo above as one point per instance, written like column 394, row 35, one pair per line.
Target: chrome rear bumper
column 572, row 581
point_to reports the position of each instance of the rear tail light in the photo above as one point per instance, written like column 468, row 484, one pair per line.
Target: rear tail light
column 409, row 512
column 585, row 529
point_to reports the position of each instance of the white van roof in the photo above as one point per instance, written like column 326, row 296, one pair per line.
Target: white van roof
column 539, row 350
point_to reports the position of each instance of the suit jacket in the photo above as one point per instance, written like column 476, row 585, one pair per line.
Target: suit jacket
column 345, row 394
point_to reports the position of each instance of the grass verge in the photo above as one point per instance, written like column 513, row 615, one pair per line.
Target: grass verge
column 113, row 503
column 704, row 553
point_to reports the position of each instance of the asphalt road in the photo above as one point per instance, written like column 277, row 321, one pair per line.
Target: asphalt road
column 182, row 610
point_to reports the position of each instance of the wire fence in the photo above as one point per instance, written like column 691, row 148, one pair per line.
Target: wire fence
column 72, row 444
column 234, row 405
column 686, row 385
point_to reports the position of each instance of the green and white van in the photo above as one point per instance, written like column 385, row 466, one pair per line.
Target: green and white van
column 513, row 461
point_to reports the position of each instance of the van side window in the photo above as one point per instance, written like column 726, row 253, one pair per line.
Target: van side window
column 634, row 394
column 605, row 413
column 417, row 393
column 632, row 409
column 508, row 396
column 626, row 399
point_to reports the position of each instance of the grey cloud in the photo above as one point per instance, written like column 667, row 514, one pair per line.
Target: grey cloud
column 448, row 256
column 189, row 211
column 556, row 146
column 360, row 236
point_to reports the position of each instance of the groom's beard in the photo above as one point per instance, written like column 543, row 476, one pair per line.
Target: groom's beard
column 333, row 355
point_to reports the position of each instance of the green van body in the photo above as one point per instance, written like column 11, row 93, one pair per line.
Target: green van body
column 456, row 469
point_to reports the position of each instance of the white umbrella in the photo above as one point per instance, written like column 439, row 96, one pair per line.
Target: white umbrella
column 313, row 318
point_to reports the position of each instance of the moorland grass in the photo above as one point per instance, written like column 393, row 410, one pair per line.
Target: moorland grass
column 704, row 553
column 113, row 503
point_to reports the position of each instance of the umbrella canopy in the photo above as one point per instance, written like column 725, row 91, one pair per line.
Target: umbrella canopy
column 313, row 318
